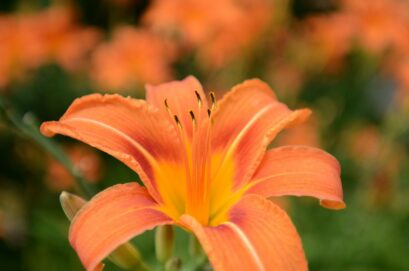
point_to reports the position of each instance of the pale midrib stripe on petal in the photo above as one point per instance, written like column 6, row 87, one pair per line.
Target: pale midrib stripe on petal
column 247, row 244
column 86, row 238
column 106, row 236
column 237, row 139
column 246, row 128
column 138, row 146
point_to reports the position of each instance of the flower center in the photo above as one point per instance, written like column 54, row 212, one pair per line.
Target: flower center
column 197, row 158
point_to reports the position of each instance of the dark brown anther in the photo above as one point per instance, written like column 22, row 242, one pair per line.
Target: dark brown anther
column 177, row 120
column 213, row 100
column 199, row 99
column 209, row 112
column 192, row 116
column 166, row 105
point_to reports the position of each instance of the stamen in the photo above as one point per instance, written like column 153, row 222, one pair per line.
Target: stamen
column 184, row 140
column 177, row 121
column 197, row 158
column 183, row 136
column 199, row 99
column 213, row 100
column 192, row 116
column 167, row 107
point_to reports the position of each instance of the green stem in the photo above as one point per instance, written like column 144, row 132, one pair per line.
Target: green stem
column 143, row 268
column 29, row 127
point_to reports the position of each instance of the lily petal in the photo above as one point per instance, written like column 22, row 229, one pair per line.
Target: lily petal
column 299, row 171
column 110, row 219
column 247, row 119
column 181, row 98
column 258, row 236
column 130, row 130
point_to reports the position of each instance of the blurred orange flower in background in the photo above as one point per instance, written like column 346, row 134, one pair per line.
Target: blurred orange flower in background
column 364, row 143
column 378, row 24
column 30, row 40
column 331, row 38
column 382, row 27
column 287, row 77
column 19, row 47
column 84, row 159
column 64, row 41
column 132, row 57
column 379, row 158
column 379, row 27
column 219, row 33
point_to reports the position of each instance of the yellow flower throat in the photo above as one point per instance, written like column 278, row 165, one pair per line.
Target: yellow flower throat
column 201, row 186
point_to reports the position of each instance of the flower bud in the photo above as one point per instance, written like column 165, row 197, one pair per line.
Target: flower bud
column 195, row 249
column 173, row 264
column 127, row 257
column 71, row 204
column 164, row 239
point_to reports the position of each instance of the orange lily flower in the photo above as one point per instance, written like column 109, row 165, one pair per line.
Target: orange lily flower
column 84, row 160
column 205, row 168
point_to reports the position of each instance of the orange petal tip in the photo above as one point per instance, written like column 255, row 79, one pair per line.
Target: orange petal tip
column 44, row 129
column 71, row 204
column 334, row 205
